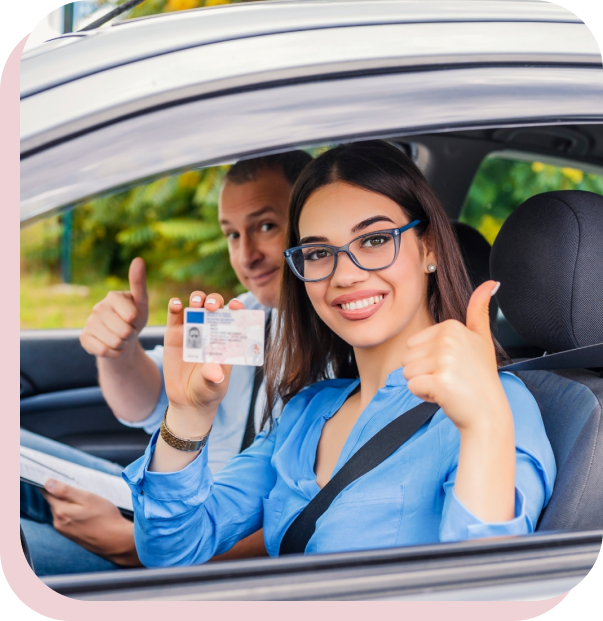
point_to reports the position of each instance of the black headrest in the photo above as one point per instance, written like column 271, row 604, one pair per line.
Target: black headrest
column 548, row 258
column 476, row 254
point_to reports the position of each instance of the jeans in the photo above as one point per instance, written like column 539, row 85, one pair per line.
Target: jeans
column 52, row 553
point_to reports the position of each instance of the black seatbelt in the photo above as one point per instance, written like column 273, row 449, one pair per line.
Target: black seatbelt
column 589, row 357
column 249, row 434
column 367, row 457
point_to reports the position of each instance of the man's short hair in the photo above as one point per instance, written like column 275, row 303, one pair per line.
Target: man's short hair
column 290, row 163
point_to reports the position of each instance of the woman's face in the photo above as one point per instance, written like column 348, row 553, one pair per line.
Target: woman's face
column 338, row 213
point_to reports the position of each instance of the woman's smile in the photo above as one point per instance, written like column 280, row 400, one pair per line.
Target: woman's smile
column 360, row 304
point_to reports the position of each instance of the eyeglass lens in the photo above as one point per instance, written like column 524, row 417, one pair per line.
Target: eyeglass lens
column 372, row 251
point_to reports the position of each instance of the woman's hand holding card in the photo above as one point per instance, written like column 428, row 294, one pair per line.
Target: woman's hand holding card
column 194, row 390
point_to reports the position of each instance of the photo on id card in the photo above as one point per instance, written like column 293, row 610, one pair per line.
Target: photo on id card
column 224, row 336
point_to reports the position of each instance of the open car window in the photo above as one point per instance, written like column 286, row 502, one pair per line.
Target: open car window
column 504, row 180
column 69, row 262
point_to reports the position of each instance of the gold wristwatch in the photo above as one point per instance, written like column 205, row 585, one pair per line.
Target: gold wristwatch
column 182, row 444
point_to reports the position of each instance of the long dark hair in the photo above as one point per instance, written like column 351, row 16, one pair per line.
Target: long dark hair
column 305, row 350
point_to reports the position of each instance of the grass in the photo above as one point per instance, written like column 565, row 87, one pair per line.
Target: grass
column 48, row 304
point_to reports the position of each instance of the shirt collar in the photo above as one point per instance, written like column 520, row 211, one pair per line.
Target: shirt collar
column 396, row 378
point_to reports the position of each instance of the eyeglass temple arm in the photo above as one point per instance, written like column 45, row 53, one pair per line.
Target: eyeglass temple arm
column 409, row 226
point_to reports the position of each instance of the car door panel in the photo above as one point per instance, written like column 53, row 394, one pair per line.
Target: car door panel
column 61, row 399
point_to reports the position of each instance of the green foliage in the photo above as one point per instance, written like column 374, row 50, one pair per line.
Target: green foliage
column 501, row 185
column 41, row 245
column 172, row 223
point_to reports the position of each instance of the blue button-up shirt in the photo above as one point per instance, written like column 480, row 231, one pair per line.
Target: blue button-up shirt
column 186, row 517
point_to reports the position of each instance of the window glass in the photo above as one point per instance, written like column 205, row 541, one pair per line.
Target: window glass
column 502, row 184
column 70, row 262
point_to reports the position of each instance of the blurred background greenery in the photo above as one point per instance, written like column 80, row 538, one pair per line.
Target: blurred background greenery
column 172, row 223
column 70, row 262
column 503, row 184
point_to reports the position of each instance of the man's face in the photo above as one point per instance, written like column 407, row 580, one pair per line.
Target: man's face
column 194, row 338
column 253, row 216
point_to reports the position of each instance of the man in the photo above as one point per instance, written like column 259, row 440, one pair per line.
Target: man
column 253, row 215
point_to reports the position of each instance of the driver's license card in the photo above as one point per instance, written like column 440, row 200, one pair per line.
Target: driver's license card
column 224, row 336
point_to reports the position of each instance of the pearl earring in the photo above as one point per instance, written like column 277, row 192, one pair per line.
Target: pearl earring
column 431, row 268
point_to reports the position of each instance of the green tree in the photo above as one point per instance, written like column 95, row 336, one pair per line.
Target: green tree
column 172, row 223
column 501, row 185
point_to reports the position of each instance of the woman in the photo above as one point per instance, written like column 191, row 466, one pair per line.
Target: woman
column 377, row 296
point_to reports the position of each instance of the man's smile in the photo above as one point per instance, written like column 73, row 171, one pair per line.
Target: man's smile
column 264, row 277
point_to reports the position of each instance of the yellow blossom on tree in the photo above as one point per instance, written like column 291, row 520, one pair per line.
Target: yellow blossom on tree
column 189, row 179
column 182, row 5
column 489, row 227
column 573, row 174
column 537, row 167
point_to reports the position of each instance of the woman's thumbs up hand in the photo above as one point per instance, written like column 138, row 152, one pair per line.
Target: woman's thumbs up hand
column 455, row 366
column 478, row 309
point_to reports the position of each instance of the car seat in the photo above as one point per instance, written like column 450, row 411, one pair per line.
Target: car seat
column 475, row 250
column 548, row 258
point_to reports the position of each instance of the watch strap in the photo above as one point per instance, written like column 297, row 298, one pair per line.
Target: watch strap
column 182, row 444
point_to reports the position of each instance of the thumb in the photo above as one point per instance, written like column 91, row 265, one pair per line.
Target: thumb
column 215, row 373
column 138, row 283
column 478, row 309
column 63, row 491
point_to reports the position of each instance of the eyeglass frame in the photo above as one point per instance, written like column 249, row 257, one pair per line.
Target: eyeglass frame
column 395, row 233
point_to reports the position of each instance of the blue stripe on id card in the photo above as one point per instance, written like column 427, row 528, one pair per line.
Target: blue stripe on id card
column 195, row 317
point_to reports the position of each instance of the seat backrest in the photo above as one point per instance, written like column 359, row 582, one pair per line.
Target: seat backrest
column 548, row 258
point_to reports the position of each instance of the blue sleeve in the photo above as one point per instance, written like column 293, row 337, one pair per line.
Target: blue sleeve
column 186, row 517
column 535, row 473
column 151, row 423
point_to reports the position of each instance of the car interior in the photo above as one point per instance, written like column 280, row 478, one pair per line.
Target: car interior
column 60, row 397
column 552, row 243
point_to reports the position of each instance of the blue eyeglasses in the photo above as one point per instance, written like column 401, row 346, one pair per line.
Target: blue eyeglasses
column 371, row 252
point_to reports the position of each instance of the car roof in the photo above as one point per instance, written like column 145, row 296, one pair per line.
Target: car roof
column 350, row 73
column 139, row 66
column 76, row 55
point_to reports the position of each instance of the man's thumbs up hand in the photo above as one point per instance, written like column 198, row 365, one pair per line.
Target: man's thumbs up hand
column 455, row 365
column 115, row 322
column 137, row 277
